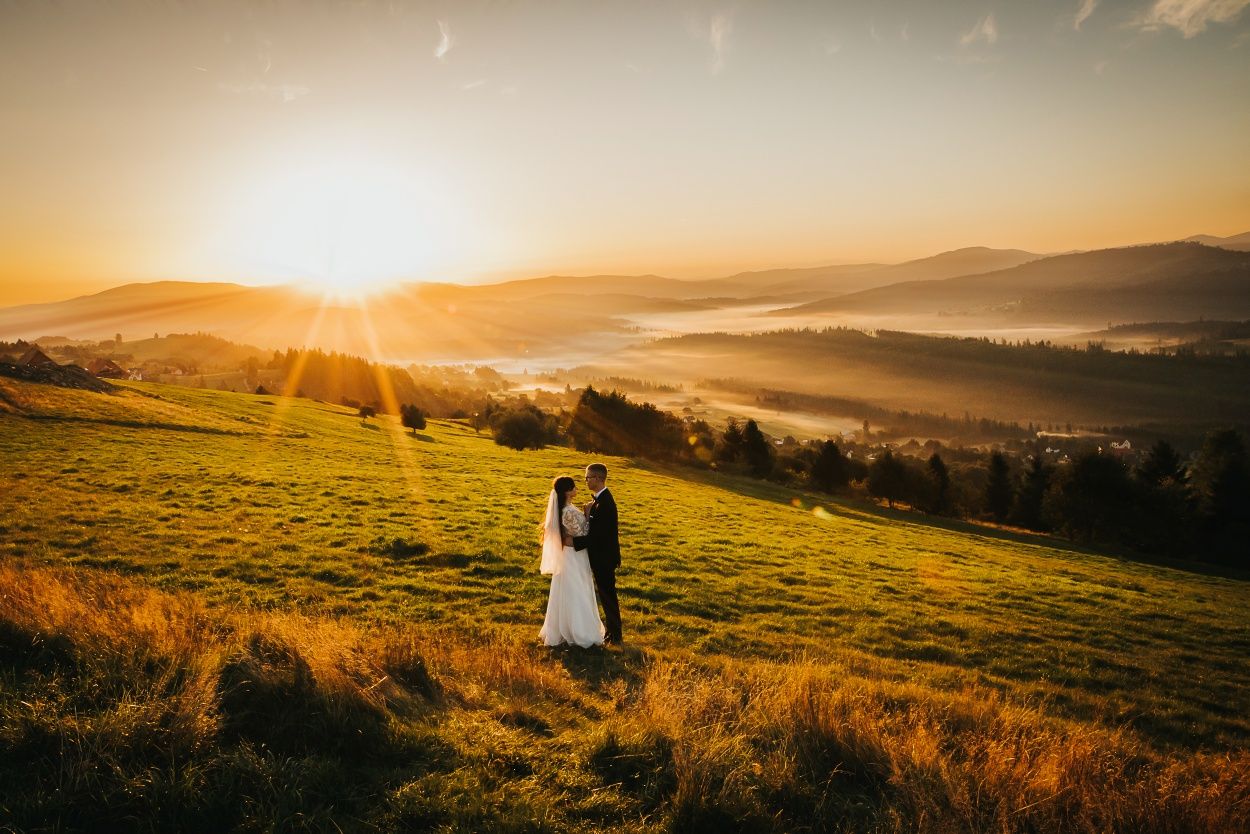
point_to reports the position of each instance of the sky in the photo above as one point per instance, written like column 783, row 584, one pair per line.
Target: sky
column 350, row 144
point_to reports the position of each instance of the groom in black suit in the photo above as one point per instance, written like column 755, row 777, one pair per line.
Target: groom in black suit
column 603, row 544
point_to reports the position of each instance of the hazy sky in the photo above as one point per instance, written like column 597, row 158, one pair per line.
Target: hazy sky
column 361, row 141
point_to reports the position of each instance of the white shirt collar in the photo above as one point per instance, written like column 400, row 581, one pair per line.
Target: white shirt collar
column 600, row 492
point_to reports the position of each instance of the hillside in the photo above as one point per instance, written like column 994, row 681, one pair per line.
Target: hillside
column 1142, row 283
column 894, row 370
column 1239, row 242
column 788, row 659
column 513, row 321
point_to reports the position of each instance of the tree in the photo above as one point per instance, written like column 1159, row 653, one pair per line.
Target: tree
column 730, row 446
column 1027, row 511
column 367, row 411
column 998, row 493
column 829, row 470
column 411, row 417
column 1161, row 465
column 887, row 478
column 1222, row 480
column 1093, row 500
column 937, row 487
column 520, row 429
column 756, row 451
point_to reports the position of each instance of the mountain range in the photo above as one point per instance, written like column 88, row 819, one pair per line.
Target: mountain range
column 558, row 316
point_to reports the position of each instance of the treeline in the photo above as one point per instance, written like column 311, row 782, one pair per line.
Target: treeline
column 1165, row 505
column 355, row 382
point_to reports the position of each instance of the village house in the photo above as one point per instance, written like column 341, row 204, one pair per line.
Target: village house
column 36, row 358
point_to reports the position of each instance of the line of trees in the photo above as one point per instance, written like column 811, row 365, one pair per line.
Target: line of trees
column 1163, row 506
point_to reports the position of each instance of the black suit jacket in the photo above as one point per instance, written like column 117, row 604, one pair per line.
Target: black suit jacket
column 603, row 542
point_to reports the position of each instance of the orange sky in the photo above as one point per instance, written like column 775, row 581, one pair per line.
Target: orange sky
column 351, row 144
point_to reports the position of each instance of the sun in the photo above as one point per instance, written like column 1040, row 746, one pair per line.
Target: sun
column 341, row 225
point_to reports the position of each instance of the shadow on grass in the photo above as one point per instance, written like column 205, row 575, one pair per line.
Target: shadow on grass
column 130, row 424
column 599, row 667
column 840, row 505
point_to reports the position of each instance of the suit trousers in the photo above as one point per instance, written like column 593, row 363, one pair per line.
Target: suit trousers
column 605, row 586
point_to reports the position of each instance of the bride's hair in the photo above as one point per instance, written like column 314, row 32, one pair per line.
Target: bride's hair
column 562, row 486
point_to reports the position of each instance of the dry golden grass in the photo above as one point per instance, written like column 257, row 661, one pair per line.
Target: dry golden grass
column 126, row 698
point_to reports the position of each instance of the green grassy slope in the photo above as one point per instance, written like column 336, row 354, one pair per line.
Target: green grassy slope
column 273, row 502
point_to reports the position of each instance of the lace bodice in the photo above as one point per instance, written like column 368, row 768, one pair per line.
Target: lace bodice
column 575, row 522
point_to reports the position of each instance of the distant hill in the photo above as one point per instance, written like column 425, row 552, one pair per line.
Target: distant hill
column 410, row 323
column 1173, row 280
column 1239, row 242
column 907, row 371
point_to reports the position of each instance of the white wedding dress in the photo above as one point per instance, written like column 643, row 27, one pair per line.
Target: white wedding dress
column 572, row 610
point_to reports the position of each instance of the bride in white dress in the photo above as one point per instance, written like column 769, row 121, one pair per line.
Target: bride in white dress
column 572, row 612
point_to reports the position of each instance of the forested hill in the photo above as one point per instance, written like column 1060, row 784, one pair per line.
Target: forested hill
column 1026, row 381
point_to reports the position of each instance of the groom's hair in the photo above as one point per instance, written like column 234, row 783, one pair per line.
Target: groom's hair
column 599, row 469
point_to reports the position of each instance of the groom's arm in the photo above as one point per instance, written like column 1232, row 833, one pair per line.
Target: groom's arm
column 584, row 542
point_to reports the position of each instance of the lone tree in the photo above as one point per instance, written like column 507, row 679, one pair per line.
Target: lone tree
column 412, row 417
column 367, row 411
column 998, row 492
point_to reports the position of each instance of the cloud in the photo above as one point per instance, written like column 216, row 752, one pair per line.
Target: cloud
column 986, row 30
column 445, row 41
column 715, row 32
column 1101, row 67
column 1190, row 17
column 282, row 92
column 473, row 85
column 718, row 36
column 1087, row 9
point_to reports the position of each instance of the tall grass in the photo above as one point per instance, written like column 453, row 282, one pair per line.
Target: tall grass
column 125, row 708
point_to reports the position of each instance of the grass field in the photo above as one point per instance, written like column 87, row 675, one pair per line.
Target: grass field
column 977, row 672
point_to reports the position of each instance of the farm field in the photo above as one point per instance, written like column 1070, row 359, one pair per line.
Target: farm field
column 919, row 634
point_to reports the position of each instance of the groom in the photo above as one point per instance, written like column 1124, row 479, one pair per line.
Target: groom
column 604, row 546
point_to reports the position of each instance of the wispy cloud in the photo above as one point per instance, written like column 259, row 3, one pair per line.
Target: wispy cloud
column 986, row 30
column 1190, row 17
column 718, row 36
column 1087, row 9
column 281, row 92
column 1101, row 67
column 716, row 32
column 473, row 85
column 445, row 41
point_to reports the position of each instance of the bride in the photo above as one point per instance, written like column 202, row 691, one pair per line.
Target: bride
column 572, row 613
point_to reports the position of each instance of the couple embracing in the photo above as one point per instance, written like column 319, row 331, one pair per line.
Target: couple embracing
column 581, row 551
